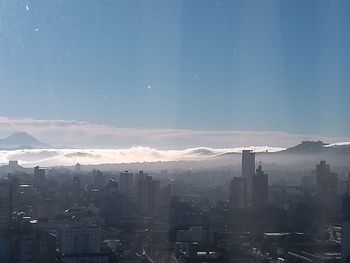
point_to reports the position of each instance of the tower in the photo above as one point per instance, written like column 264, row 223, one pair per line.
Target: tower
column 259, row 187
column 236, row 200
column 76, row 188
column 39, row 177
column 248, row 169
column 148, row 195
column 126, row 183
column 326, row 183
column 5, row 205
column 248, row 163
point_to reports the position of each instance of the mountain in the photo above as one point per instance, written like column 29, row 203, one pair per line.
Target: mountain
column 314, row 149
column 21, row 140
column 308, row 147
column 319, row 147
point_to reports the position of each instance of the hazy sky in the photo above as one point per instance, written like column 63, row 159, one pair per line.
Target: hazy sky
column 200, row 65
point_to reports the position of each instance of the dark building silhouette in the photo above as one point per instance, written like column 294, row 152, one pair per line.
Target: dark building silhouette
column 99, row 180
column 259, row 187
column 39, row 177
column 126, row 183
column 148, row 195
column 248, row 163
column 76, row 189
column 236, row 197
column 110, row 203
column 326, row 183
column 5, row 205
column 248, row 170
column 345, row 230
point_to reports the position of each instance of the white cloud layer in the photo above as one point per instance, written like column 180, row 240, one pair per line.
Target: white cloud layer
column 52, row 157
column 74, row 134
column 88, row 143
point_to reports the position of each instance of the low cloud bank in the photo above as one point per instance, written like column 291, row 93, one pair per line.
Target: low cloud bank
column 55, row 157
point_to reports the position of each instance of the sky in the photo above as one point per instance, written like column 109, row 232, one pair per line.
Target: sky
column 224, row 66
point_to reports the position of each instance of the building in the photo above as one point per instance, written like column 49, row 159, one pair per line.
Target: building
column 90, row 258
column 138, row 178
column 345, row 230
column 29, row 244
column 99, row 180
column 165, row 194
column 148, row 195
column 126, row 183
column 248, row 170
column 15, row 191
column 110, row 203
column 81, row 243
column 259, row 187
column 47, row 210
column 248, row 163
column 236, row 193
column 76, row 189
column 39, row 176
column 77, row 168
column 326, row 183
column 13, row 166
column 80, row 238
column 5, row 205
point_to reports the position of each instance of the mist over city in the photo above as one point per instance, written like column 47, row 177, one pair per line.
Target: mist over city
column 155, row 131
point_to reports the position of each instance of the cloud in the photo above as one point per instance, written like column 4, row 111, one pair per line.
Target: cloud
column 53, row 157
column 88, row 143
column 338, row 144
column 75, row 134
column 81, row 155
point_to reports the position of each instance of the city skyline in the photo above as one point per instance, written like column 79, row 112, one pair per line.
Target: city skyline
column 160, row 131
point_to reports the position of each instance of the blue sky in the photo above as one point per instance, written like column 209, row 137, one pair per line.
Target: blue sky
column 200, row 65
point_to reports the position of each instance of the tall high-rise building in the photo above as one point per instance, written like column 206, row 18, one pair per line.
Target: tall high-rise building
column 39, row 176
column 77, row 168
column 126, row 183
column 326, row 183
column 5, row 205
column 248, row 170
column 345, row 230
column 110, row 203
column 15, row 191
column 138, row 178
column 99, row 180
column 76, row 189
column 148, row 195
column 260, row 187
column 165, row 194
column 236, row 196
column 112, row 187
column 13, row 166
column 248, row 163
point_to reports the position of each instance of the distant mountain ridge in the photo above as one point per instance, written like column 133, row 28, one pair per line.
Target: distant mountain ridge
column 21, row 140
column 319, row 147
column 305, row 147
